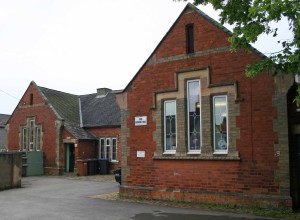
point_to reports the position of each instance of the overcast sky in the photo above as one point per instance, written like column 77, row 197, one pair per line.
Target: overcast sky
column 77, row 46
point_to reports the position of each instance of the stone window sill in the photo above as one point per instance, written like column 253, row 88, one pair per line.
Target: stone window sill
column 194, row 152
column 169, row 153
column 234, row 156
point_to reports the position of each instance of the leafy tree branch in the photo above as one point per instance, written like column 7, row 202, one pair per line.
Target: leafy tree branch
column 253, row 18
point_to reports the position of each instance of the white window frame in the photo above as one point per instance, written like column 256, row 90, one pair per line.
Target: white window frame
column 114, row 152
column 188, row 117
column 106, row 148
column 23, row 139
column 165, row 135
column 37, row 139
column 31, row 135
column 102, row 148
column 217, row 151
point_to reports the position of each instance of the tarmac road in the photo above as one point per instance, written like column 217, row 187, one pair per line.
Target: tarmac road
column 61, row 198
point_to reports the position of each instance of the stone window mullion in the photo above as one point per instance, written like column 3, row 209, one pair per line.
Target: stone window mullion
column 158, row 134
column 181, row 128
column 206, row 126
column 233, row 111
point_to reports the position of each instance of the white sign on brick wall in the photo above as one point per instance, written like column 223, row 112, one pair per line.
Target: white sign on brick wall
column 140, row 154
column 140, row 120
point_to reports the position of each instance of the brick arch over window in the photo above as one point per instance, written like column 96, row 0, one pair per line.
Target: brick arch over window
column 208, row 91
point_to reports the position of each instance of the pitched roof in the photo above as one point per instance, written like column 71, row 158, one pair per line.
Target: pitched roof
column 79, row 132
column 83, row 111
column 3, row 119
column 66, row 105
column 99, row 111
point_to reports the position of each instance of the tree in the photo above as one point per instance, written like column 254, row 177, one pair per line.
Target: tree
column 252, row 18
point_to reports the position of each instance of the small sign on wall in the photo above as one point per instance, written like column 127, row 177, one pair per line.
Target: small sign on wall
column 140, row 120
column 140, row 154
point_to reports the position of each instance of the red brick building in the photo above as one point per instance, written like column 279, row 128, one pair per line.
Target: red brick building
column 66, row 128
column 195, row 128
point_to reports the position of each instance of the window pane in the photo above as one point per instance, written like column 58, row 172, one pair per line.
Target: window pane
column 108, row 148
column 38, row 138
column 102, row 148
column 220, row 123
column 170, row 125
column 194, row 115
column 23, row 144
column 31, row 134
column 190, row 38
column 114, row 149
column 31, row 99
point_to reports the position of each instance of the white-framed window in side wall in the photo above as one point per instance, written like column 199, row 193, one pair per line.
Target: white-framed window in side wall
column 220, row 120
column 31, row 134
column 37, row 139
column 108, row 149
column 170, row 136
column 23, row 139
column 194, row 116
column 114, row 149
column 102, row 148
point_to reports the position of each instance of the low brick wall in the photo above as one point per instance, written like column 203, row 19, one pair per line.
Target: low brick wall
column 246, row 200
column 11, row 170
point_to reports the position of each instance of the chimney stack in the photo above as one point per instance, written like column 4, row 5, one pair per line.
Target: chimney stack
column 102, row 92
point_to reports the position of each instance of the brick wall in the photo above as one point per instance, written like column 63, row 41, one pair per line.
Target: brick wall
column 114, row 132
column 87, row 149
column 250, row 174
column 44, row 116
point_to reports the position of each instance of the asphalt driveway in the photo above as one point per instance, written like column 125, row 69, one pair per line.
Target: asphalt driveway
column 73, row 198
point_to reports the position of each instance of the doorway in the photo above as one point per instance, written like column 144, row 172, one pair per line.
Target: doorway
column 294, row 146
column 69, row 157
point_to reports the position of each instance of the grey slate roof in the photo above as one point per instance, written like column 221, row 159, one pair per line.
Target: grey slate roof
column 79, row 132
column 100, row 111
column 65, row 104
column 3, row 133
column 3, row 119
column 94, row 111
